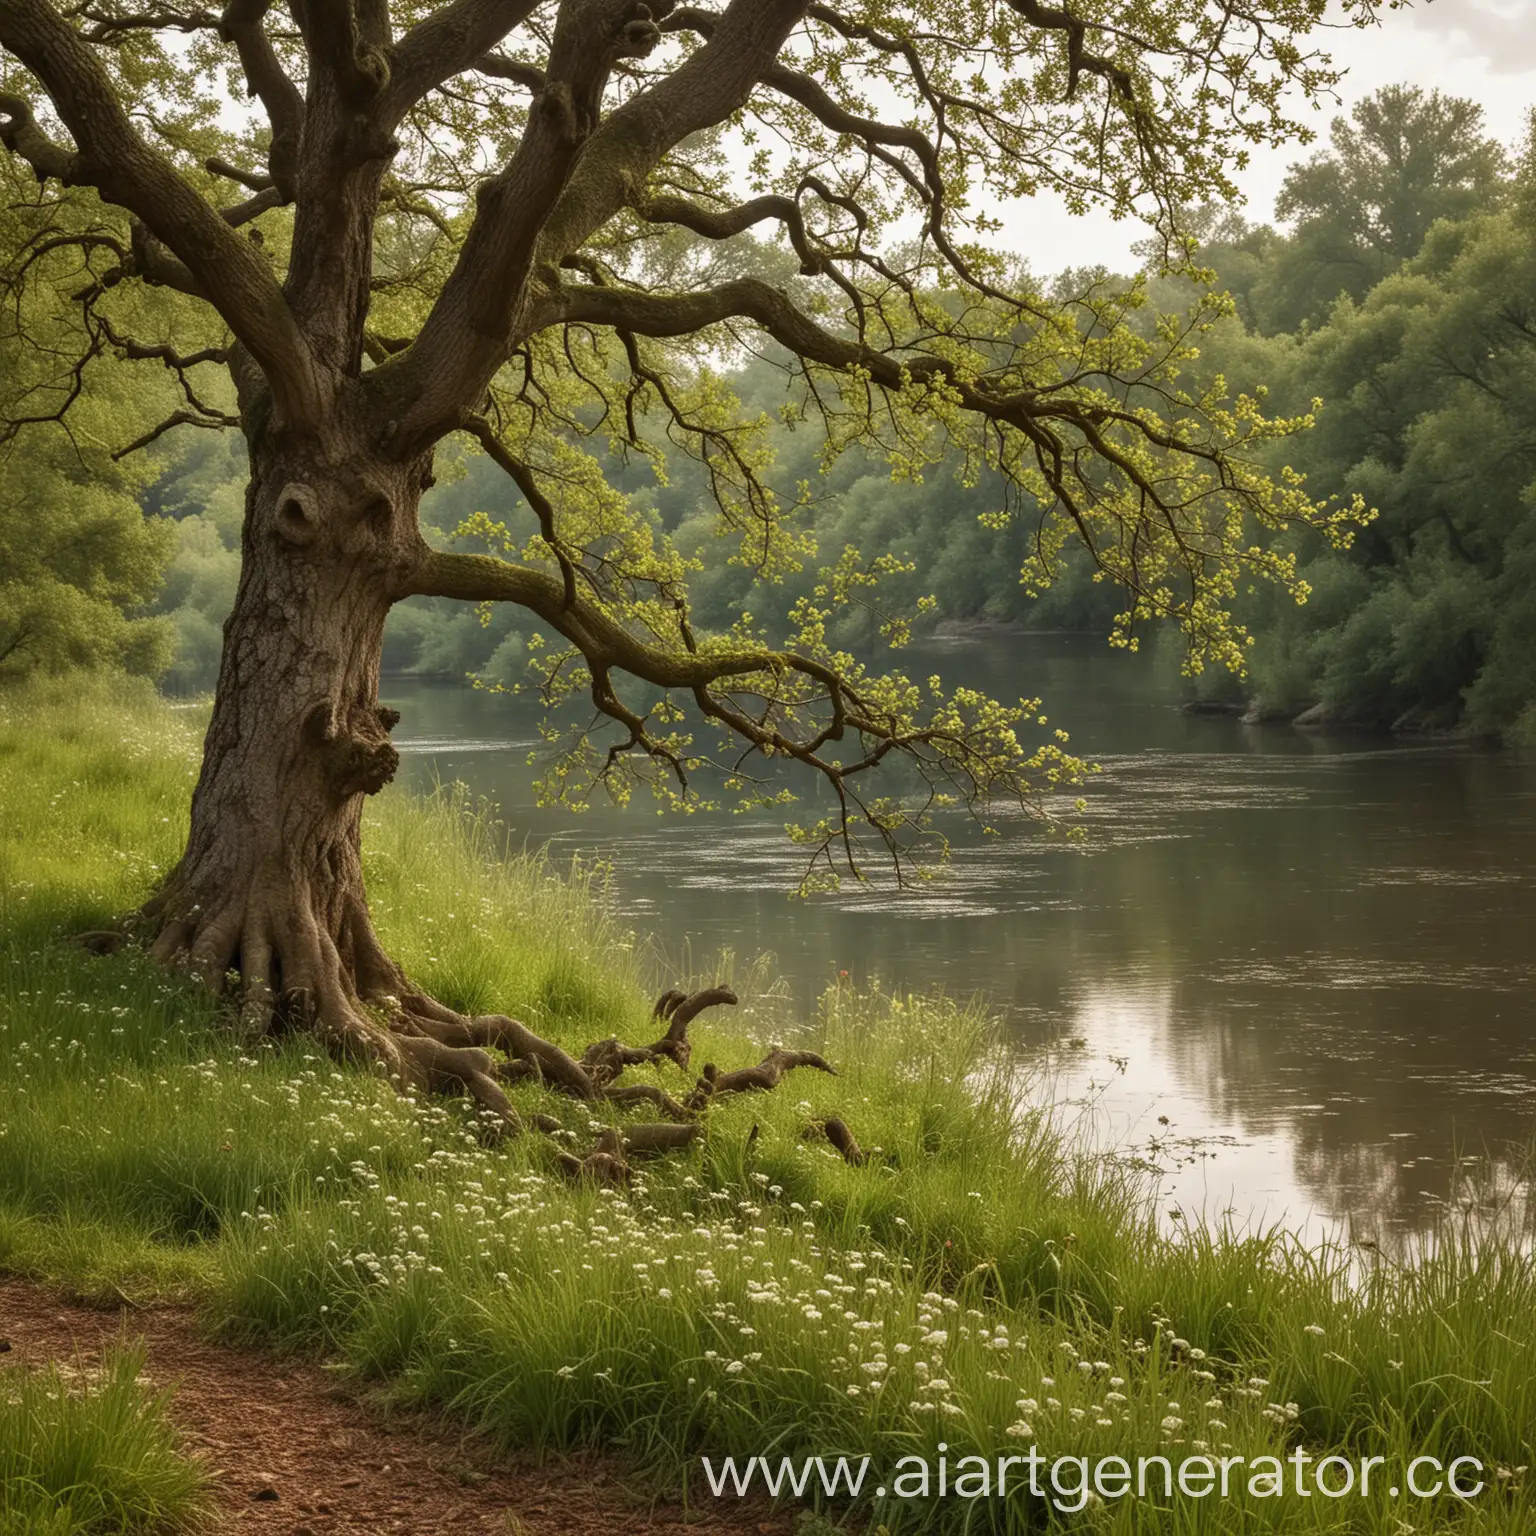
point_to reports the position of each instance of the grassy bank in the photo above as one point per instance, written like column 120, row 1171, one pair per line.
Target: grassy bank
column 978, row 1283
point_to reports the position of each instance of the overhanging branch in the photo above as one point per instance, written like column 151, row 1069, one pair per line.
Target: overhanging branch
column 113, row 157
column 980, row 760
column 452, row 39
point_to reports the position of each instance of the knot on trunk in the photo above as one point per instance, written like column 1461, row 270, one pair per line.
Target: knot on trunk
column 355, row 752
column 640, row 34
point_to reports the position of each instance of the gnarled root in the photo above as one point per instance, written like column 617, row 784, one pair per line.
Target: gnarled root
column 715, row 1084
column 318, row 965
column 836, row 1131
column 608, row 1162
column 606, row 1059
column 454, row 1069
column 649, row 1093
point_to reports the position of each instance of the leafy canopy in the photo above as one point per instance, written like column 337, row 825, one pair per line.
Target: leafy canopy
column 555, row 227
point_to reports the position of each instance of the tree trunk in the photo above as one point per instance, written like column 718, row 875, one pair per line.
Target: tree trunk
column 271, row 881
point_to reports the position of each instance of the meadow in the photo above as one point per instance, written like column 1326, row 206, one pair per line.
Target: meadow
column 982, row 1280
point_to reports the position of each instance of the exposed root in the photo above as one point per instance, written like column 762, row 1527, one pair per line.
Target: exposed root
column 642, row 1139
column 608, row 1162
column 606, row 1059
column 715, row 1084
column 649, row 1093
column 541, row 1057
column 101, row 941
column 604, row 1164
column 453, row 1069
column 319, row 966
column 836, row 1131
column 680, row 1012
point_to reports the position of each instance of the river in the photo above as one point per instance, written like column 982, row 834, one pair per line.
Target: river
column 1314, row 958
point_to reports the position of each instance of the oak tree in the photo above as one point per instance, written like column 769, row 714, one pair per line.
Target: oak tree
column 385, row 223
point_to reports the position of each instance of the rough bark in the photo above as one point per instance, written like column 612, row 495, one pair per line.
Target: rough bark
column 271, row 881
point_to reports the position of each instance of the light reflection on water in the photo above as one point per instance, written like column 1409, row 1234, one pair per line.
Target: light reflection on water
column 1313, row 957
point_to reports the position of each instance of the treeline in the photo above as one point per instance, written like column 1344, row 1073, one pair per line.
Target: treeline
column 1404, row 297
column 1402, row 292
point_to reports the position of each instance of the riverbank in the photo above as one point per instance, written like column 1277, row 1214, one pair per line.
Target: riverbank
column 978, row 1281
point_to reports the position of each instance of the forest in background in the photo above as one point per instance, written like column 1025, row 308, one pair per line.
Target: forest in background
column 1399, row 289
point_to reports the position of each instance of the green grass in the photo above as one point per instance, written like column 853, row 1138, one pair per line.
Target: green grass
column 753, row 1296
column 92, row 1454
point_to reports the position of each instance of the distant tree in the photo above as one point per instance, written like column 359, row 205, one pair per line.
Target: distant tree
column 78, row 558
column 1430, row 619
column 1403, row 159
column 513, row 220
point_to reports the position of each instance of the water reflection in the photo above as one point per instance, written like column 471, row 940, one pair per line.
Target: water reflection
column 1312, row 956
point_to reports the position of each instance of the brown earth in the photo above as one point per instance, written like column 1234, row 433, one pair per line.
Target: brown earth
column 295, row 1453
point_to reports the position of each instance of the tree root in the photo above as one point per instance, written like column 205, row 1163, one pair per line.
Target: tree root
column 333, row 977
column 649, row 1093
column 100, row 941
column 604, row 1060
column 836, row 1131
column 715, row 1084
column 451, row 1069
column 608, row 1162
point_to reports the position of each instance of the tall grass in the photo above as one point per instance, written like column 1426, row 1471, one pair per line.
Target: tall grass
column 981, row 1282
column 92, row 1454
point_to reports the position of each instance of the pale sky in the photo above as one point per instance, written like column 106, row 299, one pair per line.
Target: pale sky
column 1483, row 49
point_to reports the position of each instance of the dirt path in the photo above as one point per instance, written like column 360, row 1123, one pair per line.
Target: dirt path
column 300, row 1455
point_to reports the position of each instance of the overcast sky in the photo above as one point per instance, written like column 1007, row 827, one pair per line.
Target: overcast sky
column 1484, row 49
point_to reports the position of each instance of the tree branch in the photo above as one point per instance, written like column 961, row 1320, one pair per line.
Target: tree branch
column 547, row 200
column 522, row 477
column 267, row 80
column 113, row 158
column 715, row 82
column 499, row 67
column 452, row 39
column 109, row 28
column 176, row 419
column 585, row 623
column 1079, row 60
column 24, row 139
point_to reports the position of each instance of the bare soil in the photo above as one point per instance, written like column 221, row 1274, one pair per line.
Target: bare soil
column 295, row 1452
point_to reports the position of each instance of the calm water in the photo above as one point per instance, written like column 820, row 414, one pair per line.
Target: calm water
column 1314, row 957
